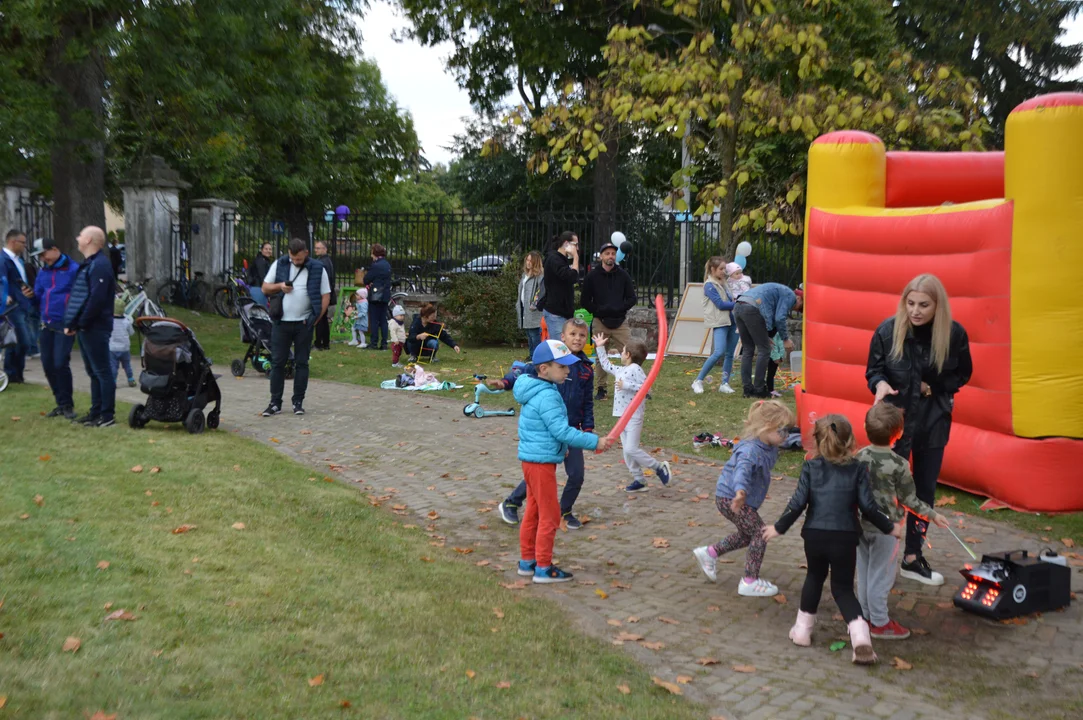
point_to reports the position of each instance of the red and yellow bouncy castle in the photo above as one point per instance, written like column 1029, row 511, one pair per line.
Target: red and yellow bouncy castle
column 1004, row 232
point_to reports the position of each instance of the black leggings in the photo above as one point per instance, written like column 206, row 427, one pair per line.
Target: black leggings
column 835, row 551
column 927, row 462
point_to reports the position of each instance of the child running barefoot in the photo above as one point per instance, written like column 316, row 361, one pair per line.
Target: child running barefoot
column 544, row 440
column 629, row 378
column 832, row 483
column 894, row 493
column 741, row 490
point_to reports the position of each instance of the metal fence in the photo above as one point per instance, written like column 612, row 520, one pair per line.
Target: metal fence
column 36, row 218
column 426, row 248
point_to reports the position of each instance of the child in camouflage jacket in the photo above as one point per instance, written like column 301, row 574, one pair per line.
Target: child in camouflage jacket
column 893, row 489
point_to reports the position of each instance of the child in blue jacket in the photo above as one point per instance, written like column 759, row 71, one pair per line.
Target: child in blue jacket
column 544, row 439
column 578, row 394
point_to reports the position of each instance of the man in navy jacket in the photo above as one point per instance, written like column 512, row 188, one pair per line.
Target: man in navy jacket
column 51, row 291
column 90, row 314
column 16, row 302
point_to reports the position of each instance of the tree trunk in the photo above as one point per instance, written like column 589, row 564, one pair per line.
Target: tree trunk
column 78, row 157
column 605, row 190
column 297, row 221
column 727, row 138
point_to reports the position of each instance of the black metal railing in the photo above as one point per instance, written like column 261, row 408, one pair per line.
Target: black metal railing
column 425, row 248
column 36, row 218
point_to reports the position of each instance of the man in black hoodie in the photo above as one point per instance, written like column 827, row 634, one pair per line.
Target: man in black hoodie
column 608, row 294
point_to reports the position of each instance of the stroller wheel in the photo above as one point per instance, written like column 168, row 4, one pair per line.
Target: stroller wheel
column 237, row 368
column 135, row 417
column 194, row 422
column 213, row 418
column 3, row 381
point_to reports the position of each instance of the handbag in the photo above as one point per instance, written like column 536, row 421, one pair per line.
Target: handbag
column 274, row 302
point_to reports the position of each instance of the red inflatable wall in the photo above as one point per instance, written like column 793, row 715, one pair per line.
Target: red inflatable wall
column 928, row 179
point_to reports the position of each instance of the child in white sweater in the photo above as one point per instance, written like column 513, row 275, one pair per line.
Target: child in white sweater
column 629, row 378
column 120, row 342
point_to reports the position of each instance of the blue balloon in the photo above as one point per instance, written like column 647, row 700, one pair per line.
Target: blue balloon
column 741, row 260
column 620, row 256
column 329, row 216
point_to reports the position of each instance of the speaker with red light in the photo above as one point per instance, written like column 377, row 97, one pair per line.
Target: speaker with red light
column 1009, row 584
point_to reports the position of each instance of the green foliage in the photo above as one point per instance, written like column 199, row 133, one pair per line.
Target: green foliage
column 427, row 191
column 482, row 308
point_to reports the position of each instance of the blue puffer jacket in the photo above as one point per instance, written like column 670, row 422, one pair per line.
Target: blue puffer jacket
column 90, row 305
column 544, row 432
column 52, row 288
column 577, row 390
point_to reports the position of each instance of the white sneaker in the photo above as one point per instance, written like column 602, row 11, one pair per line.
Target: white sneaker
column 706, row 563
column 697, row 387
column 353, row 343
column 725, row 388
column 362, row 346
column 757, row 588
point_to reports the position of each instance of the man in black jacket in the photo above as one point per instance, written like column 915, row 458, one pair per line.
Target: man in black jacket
column 323, row 326
column 608, row 294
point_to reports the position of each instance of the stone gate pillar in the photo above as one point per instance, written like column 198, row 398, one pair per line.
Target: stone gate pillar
column 212, row 237
column 12, row 195
column 151, row 207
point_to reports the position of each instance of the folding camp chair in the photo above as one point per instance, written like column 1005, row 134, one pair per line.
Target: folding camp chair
column 425, row 354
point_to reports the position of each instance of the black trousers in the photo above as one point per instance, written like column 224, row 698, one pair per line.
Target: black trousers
column 754, row 342
column 323, row 331
column 834, row 552
column 927, row 462
column 284, row 336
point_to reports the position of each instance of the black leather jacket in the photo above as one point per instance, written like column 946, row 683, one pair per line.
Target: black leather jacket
column 833, row 494
column 928, row 417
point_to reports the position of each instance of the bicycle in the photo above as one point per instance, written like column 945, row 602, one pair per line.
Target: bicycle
column 226, row 296
column 185, row 292
column 136, row 301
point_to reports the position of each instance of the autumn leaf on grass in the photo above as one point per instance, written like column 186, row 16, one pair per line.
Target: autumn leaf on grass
column 100, row 715
column 24, row 516
column 316, row 681
column 72, row 644
column 45, row 458
column 900, row 664
column 274, row 440
column 344, row 704
column 155, row 470
column 624, row 689
column 40, row 501
column 104, row 564
column 707, row 661
column 3, row 701
column 503, row 684
column 470, row 674
column 237, row 526
column 659, row 542
column 672, row 687
column 946, row 500
column 744, row 668
column 463, row 551
column 121, row 614
column 1068, row 542
column 499, row 613
column 137, row 469
column 183, row 529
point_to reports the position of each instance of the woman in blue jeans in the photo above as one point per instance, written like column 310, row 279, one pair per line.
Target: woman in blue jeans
column 718, row 317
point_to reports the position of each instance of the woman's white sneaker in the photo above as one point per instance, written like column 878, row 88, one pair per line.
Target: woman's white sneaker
column 697, row 387
column 707, row 564
column 757, row 588
column 725, row 388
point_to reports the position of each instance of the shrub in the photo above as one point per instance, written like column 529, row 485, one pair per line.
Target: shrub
column 482, row 309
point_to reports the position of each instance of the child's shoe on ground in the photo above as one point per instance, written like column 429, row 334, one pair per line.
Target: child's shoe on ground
column 756, row 588
column 801, row 632
column 353, row 343
column 526, row 567
column 131, row 382
column 508, row 513
column 572, row 522
column 396, row 365
column 362, row 346
column 663, row 472
column 890, row 630
column 636, row 486
column 707, row 563
column 859, row 638
column 551, row 574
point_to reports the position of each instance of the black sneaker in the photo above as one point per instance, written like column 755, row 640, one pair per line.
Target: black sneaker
column 509, row 513
column 105, row 422
column 87, row 419
column 272, row 409
column 602, row 394
column 572, row 522
column 297, row 409
column 68, row 412
column 551, row 574
column 918, row 569
column 55, row 412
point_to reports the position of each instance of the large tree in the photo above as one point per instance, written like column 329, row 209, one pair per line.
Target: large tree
column 1013, row 47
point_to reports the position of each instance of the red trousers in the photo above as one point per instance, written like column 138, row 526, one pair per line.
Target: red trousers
column 541, row 515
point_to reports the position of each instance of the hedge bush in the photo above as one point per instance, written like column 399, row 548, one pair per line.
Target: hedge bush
column 482, row 308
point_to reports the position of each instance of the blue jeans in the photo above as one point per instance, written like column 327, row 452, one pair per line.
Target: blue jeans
column 555, row 324
column 33, row 329
column 413, row 347
column 121, row 358
column 573, row 466
column 285, row 335
column 378, row 334
column 94, row 347
column 723, row 345
column 55, row 349
column 15, row 356
column 533, row 338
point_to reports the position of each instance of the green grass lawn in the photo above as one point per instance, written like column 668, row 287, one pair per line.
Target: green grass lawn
column 320, row 600
column 673, row 417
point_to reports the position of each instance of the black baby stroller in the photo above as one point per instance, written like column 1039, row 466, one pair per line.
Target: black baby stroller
column 176, row 377
column 256, row 333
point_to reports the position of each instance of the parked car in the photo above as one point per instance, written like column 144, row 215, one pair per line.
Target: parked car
column 484, row 265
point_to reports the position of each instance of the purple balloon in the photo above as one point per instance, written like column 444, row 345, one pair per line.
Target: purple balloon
column 342, row 212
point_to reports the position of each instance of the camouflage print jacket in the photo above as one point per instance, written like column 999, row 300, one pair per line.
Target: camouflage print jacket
column 892, row 486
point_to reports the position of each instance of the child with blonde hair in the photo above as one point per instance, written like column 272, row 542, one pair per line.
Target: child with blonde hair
column 831, row 486
column 361, row 319
column 742, row 488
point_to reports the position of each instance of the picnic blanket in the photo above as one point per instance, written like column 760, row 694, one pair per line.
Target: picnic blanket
column 438, row 385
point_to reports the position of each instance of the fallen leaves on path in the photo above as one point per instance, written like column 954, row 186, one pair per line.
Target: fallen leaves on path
column 24, row 516
column 629, row 637
column 653, row 645
column 183, row 529
column 433, row 515
column 672, row 687
column 660, row 542
column 684, row 679
column 613, row 622
column 1068, row 542
column 899, row 664
column 3, row 701
column 780, row 599
column 316, row 681
column 744, row 668
column 425, row 558
column 705, row 661
column 72, row 644
column 668, row 621
column 121, row 614
column 601, row 593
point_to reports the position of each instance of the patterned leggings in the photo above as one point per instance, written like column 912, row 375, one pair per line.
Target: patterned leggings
column 749, row 524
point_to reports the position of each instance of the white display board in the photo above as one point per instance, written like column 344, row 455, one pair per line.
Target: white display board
column 689, row 336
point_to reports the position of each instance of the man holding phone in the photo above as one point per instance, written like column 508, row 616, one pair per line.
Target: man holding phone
column 17, row 302
column 305, row 292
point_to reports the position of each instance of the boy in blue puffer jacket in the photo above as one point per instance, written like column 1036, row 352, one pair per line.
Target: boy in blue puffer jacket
column 544, row 439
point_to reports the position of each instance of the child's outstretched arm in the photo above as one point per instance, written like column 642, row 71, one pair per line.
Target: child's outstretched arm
column 797, row 504
column 555, row 418
column 603, row 356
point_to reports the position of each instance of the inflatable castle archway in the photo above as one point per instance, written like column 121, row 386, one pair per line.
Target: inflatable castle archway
column 1004, row 232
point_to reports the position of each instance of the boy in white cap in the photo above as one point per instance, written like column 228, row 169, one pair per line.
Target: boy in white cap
column 397, row 334
column 544, row 439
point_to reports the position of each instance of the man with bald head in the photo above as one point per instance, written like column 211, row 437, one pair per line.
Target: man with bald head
column 90, row 315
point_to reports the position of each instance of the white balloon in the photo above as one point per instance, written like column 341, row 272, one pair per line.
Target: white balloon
column 617, row 238
column 744, row 248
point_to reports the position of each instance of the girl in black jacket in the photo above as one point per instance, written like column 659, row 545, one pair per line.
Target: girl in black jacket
column 918, row 360
column 562, row 275
column 833, row 486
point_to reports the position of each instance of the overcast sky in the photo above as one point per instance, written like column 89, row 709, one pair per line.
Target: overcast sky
column 415, row 75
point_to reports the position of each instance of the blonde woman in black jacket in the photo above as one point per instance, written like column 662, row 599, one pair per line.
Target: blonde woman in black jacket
column 918, row 360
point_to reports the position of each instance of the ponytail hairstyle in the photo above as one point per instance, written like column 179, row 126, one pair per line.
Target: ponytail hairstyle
column 712, row 262
column 941, row 323
column 834, row 439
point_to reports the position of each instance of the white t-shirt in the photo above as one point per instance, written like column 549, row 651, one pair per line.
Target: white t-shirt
column 295, row 305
